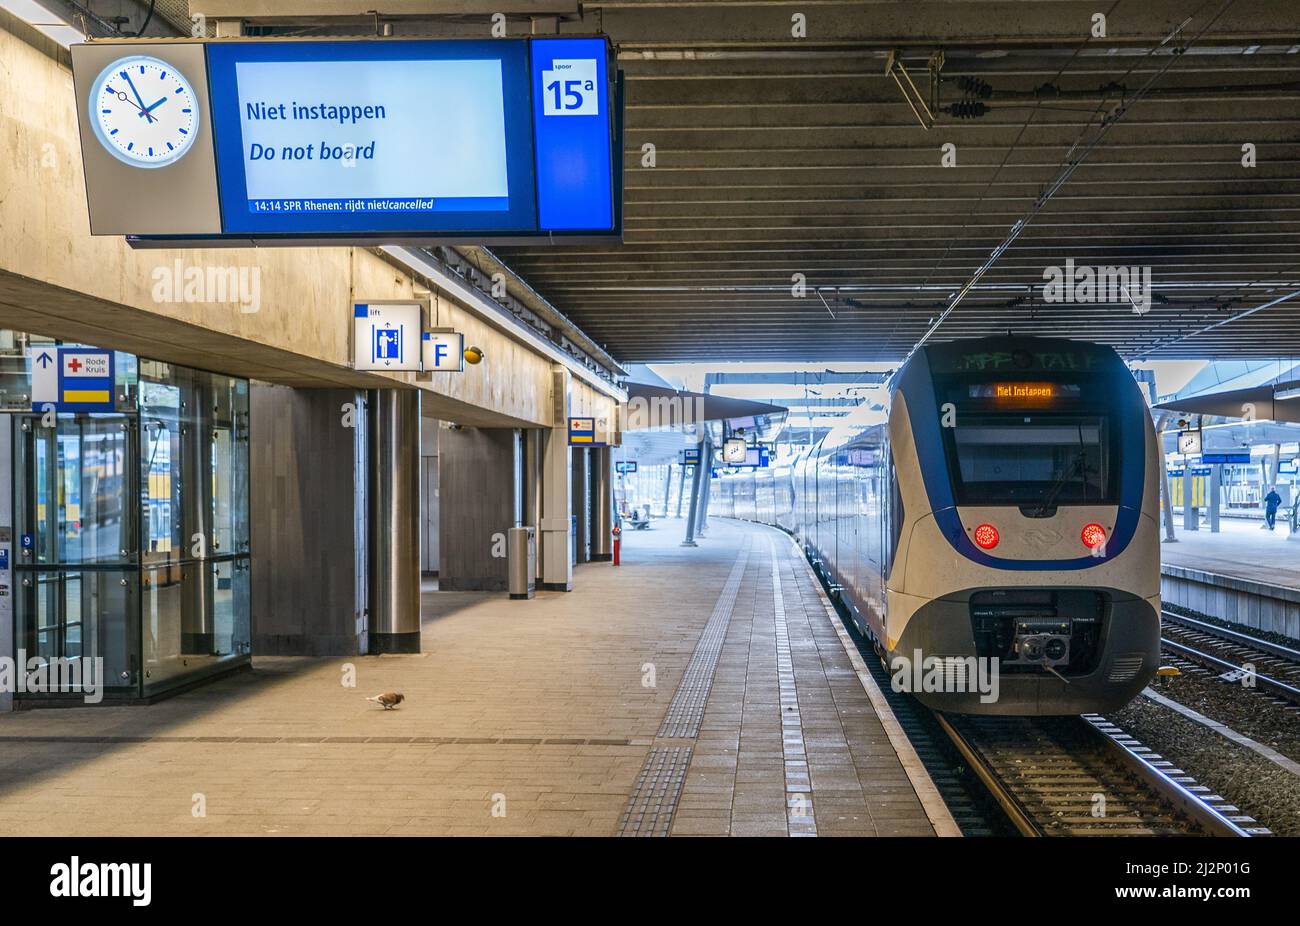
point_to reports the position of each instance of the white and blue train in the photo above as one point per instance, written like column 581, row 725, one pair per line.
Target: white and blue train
column 1007, row 510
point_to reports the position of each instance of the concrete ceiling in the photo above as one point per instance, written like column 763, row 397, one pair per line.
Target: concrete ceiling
column 778, row 155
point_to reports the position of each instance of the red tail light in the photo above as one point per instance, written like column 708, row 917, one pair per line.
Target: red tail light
column 986, row 536
column 1094, row 535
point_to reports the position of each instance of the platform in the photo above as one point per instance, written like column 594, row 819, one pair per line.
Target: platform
column 695, row 691
column 1241, row 549
column 1244, row 573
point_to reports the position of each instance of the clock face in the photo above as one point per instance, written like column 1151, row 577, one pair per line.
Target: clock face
column 144, row 111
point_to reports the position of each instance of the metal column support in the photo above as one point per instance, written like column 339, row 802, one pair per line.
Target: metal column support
column 668, row 487
column 706, row 492
column 1167, row 509
column 582, row 503
column 1216, row 480
column 681, row 491
column 1191, row 517
column 394, row 534
column 198, row 616
column 520, row 478
column 706, row 451
column 602, row 504
column 557, row 568
column 533, row 487
column 6, row 545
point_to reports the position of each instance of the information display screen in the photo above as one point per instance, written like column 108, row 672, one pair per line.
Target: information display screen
column 413, row 137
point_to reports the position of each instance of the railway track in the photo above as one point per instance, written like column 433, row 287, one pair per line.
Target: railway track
column 1276, row 668
column 1083, row 776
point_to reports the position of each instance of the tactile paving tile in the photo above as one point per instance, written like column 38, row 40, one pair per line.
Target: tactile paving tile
column 658, row 788
column 800, row 819
column 682, row 721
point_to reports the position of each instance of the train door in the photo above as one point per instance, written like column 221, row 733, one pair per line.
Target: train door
column 75, row 569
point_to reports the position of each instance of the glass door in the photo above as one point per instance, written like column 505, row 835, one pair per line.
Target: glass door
column 76, row 568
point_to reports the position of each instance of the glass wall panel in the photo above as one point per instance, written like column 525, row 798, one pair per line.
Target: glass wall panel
column 131, row 528
column 194, row 468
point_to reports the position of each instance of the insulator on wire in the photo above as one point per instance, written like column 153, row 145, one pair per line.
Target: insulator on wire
column 975, row 87
column 967, row 109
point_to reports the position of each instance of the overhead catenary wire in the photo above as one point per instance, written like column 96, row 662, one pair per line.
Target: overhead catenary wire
column 1071, row 161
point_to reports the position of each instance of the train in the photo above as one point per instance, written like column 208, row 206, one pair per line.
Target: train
column 993, row 532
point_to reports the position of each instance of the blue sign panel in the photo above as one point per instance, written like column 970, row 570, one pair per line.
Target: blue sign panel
column 1242, row 457
column 84, row 382
column 625, row 467
column 690, row 456
column 582, row 431
column 511, row 137
column 572, row 132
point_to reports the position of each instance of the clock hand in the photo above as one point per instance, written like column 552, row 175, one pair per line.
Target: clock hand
column 156, row 105
column 125, row 99
column 139, row 99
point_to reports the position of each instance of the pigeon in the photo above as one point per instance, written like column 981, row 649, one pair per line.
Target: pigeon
column 389, row 699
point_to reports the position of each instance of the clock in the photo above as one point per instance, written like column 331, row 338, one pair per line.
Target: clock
column 1189, row 442
column 144, row 111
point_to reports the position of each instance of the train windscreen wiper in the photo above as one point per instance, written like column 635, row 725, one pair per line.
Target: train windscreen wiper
column 1049, row 501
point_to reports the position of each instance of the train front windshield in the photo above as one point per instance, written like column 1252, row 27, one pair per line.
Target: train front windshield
column 1029, row 444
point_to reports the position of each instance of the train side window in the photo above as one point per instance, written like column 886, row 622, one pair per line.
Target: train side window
column 895, row 511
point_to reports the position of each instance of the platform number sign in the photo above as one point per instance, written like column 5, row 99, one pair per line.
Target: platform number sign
column 569, row 87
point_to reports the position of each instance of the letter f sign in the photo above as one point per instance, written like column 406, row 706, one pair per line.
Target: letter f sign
column 439, row 354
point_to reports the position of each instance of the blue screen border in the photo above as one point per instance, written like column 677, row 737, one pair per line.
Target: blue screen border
column 519, row 218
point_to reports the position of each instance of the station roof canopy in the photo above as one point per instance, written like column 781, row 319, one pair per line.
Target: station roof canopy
column 1273, row 402
column 787, row 199
column 678, row 406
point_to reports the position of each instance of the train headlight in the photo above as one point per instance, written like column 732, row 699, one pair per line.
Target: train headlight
column 1094, row 535
column 986, row 536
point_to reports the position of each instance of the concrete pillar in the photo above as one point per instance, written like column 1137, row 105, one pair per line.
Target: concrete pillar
column 533, row 488
column 394, row 535
column 198, row 618
column 581, row 501
column 602, row 505
column 478, row 472
column 557, row 568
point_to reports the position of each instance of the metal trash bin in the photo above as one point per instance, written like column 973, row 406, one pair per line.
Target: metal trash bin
column 521, row 561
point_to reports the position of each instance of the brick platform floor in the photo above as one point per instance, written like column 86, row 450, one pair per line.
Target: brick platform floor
column 691, row 691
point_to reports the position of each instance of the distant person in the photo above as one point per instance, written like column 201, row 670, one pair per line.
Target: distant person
column 1271, row 502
